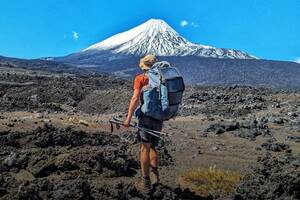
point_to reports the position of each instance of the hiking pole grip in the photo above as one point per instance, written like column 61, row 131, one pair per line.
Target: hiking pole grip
column 120, row 122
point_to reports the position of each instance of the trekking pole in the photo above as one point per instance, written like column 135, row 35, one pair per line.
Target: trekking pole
column 134, row 126
column 141, row 128
column 118, row 122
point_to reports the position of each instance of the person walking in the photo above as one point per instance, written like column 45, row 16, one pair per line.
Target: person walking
column 148, row 153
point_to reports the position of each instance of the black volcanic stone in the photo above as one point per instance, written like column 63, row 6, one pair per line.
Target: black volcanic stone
column 272, row 178
column 277, row 120
column 216, row 128
column 246, row 133
column 275, row 146
column 293, row 138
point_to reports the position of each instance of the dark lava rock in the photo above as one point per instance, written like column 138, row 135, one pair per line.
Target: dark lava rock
column 273, row 178
column 277, row 120
column 231, row 126
column 81, row 188
column 248, row 128
column 219, row 128
column 251, row 128
column 72, row 189
column 164, row 157
column 92, row 93
column 216, row 129
column 2, row 192
column 293, row 138
column 249, row 123
column 295, row 125
column 275, row 146
column 128, row 192
column 228, row 102
column 8, row 138
column 27, row 192
column 15, row 160
column 250, row 134
column 71, row 164
column 10, row 124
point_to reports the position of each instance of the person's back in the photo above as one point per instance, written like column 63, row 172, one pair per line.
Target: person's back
column 148, row 153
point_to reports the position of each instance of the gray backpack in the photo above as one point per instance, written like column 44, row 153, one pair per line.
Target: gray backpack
column 164, row 93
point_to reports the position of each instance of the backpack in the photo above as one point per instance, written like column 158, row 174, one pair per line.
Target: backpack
column 163, row 95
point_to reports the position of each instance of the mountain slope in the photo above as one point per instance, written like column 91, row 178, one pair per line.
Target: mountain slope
column 39, row 64
column 215, row 71
column 199, row 64
column 156, row 37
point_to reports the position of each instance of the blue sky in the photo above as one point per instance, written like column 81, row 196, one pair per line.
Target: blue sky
column 268, row 29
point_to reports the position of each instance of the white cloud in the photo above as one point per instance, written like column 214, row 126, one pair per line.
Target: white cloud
column 297, row 60
column 195, row 24
column 75, row 35
column 184, row 23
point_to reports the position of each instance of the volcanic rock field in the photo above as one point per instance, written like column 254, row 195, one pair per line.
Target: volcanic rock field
column 56, row 141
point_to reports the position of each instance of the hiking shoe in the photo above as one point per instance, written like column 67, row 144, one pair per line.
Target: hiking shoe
column 154, row 177
column 143, row 185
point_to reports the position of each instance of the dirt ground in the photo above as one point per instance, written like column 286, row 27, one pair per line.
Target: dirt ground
column 188, row 148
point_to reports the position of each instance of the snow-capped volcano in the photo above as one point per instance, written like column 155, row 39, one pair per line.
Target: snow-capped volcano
column 199, row 64
column 156, row 37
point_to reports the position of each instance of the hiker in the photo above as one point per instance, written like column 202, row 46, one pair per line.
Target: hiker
column 158, row 92
column 148, row 153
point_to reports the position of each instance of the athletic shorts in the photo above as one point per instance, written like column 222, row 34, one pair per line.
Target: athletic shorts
column 149, row 123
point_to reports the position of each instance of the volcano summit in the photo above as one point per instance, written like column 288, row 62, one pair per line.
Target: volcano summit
column 199, row 64
column 156, row 37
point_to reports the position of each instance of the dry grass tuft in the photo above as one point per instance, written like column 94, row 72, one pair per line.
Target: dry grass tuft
column 212, row 181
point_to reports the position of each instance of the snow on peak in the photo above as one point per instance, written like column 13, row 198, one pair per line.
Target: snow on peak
column 155, row 36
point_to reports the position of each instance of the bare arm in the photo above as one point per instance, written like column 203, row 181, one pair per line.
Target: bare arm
column 134, row 102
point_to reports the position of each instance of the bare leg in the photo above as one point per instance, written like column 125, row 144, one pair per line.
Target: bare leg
column 145, row 159
column 153, row 157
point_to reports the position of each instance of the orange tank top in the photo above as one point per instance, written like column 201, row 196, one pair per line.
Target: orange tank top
column 140, row 81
